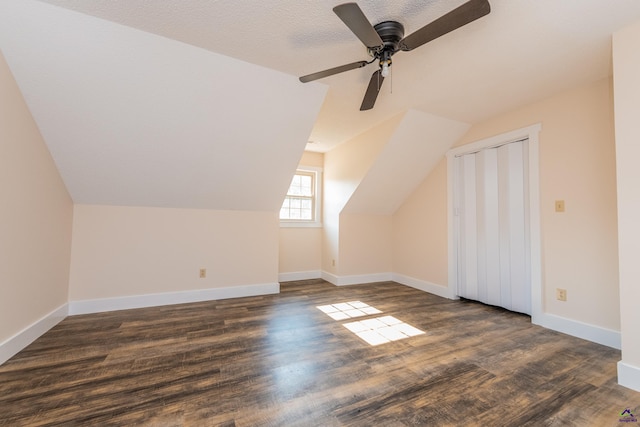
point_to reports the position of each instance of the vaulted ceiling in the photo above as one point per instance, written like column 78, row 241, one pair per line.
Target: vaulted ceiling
column 135, row 119
column 173, row 102
column 523, row 51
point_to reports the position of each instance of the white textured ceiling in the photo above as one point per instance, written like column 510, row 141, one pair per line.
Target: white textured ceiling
column 132, row 118
column 196, row 103
column 523, row 51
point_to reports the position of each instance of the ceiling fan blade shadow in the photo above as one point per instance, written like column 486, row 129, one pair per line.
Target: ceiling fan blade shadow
column 332, row 71
column 354, row 18
column 459, row 17
column 373, row 89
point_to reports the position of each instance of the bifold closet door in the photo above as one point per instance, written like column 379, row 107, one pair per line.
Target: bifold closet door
column 493, row 245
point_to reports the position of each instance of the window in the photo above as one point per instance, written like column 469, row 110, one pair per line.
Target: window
column 298, row 204
column 301, row 204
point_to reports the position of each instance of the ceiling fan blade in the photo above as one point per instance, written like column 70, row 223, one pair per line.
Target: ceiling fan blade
column 372, row 91
column 468, row 12
column 354, row 18
column 332, row 71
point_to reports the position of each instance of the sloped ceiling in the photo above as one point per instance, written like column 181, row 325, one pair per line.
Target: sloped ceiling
column 417, row 145
column 524, row 51
column 132, row 118
column 196, row 103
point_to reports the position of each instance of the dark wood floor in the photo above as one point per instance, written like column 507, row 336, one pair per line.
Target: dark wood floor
column 279, row 361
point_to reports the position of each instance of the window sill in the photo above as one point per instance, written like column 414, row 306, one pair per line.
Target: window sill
column 294, row 224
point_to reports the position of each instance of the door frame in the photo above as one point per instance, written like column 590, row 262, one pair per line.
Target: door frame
column 530, row 132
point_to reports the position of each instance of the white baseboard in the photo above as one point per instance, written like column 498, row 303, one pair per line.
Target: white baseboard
column 331, row 278
column 299, row 275
column 22, row 339
column 575, row 328
column 423, row 285
column 168, row 298
column 356, row 279
column 629, row 376
column 579, row 329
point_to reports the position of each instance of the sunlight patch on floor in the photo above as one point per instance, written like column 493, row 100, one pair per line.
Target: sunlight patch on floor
column 348, row 310
column 374, row 331
column 381, row 330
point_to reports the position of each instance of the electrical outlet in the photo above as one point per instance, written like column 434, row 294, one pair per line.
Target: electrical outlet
column 561, row 294
column 333, row 262
column 203, row 273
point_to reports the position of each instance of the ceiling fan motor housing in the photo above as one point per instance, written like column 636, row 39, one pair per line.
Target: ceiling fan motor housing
column 391, row 33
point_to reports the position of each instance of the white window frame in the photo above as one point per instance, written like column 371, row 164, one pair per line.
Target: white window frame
column 317, row 201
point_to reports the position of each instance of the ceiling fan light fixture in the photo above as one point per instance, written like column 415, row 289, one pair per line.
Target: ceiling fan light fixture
column 385, row 69
column 385, row 62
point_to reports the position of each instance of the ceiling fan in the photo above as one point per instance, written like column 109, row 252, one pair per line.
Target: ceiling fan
column 383, row 40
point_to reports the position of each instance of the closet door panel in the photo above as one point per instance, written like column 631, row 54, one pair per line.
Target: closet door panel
column 468, row 224
column 493, row 239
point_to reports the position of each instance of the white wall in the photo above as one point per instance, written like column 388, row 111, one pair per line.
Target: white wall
column 129, row 251
column 626, row 71
column 344, row 168
column 365, row 247
column 300, row 253
column 420, row 231
column 368, row 178
column 35, row 224
column 577, row 164
column 300, row 250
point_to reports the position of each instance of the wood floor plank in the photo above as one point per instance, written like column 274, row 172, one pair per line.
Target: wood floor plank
column 278, row 360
